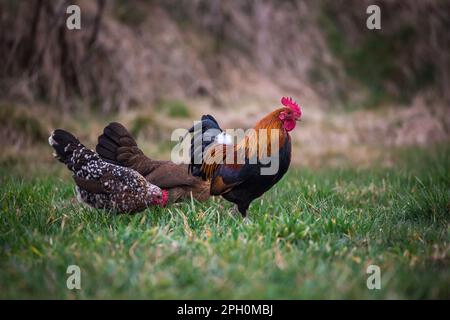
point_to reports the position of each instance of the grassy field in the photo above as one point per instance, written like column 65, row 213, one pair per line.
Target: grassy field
column 312, row 236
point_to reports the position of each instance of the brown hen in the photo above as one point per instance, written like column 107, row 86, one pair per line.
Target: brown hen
column 117, row 146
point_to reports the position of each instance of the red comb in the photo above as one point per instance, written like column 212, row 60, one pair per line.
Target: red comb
column 288, row 102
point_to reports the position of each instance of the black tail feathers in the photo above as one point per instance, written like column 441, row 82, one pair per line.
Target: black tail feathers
column 208, row 122
column 202, row 137
column 64, row 143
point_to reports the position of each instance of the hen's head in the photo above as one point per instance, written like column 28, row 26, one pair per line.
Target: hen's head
column 157, row 196
column 290, row 113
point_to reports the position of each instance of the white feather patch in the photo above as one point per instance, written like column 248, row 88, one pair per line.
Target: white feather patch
column 51, row 141
column 223, row 138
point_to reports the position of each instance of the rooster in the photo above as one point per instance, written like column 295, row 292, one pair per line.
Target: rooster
column 101, row 184
column 241, row 183
column 117, row 146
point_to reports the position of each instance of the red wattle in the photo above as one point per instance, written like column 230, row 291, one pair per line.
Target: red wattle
column 165, row 198
column 289, row 125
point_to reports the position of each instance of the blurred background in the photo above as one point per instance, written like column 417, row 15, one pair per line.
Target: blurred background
column 157, row 65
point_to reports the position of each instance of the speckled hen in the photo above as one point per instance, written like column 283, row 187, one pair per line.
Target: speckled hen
column 117, row 146
column 101, row 184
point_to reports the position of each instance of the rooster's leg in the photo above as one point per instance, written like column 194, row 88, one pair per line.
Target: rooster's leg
column 239, row 210
column 243, row 207
column 234, row 212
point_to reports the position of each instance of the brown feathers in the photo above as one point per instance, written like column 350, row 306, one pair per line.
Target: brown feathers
column 257, row 141
column 101, row 184
column 116, row 145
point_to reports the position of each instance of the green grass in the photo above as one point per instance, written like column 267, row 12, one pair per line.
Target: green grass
column 311, row 236
column 174, row 108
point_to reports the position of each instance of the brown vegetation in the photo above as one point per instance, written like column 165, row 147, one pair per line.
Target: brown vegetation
column 164, row 63
column 134, row 52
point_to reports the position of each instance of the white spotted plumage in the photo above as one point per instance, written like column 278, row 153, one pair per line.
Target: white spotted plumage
column 121, row 189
